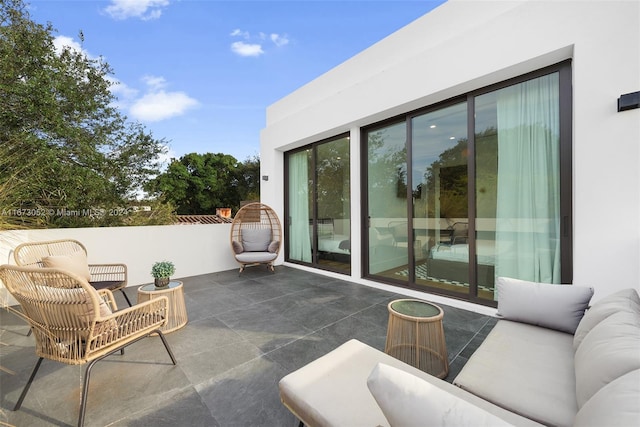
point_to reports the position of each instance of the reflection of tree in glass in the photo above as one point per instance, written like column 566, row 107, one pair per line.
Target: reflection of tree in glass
column 333, row 174
column 387, row 175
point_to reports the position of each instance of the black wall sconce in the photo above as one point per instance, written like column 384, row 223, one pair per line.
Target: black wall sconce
column 629, row 101
column 265, row 177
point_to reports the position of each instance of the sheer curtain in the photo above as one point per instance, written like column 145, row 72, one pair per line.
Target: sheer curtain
column 299, row 238
column 528, row 195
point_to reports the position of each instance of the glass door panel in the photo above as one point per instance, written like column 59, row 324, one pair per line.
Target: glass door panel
column 300, row 206
column 439, row 151
column 333, row 205
column 517, row 135
column 388, row 253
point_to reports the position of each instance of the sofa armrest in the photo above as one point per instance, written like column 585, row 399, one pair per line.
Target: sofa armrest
column 406, row 400
column 558, row 307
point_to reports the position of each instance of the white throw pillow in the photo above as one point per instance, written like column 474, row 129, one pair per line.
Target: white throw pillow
column 559, row 307
column 256, row 239
column 408, row 401
column 75, row 262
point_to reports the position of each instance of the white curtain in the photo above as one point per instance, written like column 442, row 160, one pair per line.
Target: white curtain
column 528, row 198
column 299, row 238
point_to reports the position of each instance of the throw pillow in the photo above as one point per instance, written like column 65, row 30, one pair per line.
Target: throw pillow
column 406, row 400
column 237, row 247
column 273, row 246
column 559, row 307
column 75, row 262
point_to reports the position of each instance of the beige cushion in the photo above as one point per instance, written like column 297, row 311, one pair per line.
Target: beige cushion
column 616, row 404
column 558, row 307
column 610, row 350
column 273, row 246
column 525, row 369
column 624, row 300
column 75, row 262
column 407, row 400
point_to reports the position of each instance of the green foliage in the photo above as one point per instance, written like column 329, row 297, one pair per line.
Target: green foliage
column 163, row 269
column 66, row 148
column 197, row 184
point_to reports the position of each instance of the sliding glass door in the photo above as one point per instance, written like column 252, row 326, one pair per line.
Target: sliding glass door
column 319, row 206
column 472, row 189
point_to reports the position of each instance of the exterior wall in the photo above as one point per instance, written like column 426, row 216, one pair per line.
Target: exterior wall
column 466, row 45
column 194, row 249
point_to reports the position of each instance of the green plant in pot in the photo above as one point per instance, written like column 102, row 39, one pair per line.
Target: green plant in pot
column 162, row 272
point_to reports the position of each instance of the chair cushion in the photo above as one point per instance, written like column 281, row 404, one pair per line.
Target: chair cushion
column 75, row 262
column 407, row 400
column 251, row 257
column 256, row 239
column 559, row 307
column 610, row 350
column 624, row 300
column 615, row 404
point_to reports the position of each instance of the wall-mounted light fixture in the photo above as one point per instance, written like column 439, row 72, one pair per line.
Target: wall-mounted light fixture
column 629, row 101
column 265, row 177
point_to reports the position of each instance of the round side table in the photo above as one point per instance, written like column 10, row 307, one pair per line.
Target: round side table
column 415, row 335
column 177, row 313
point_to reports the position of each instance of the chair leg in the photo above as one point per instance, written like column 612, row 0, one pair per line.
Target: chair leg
column 126, row 297
column 166, row 345
column 26, row 387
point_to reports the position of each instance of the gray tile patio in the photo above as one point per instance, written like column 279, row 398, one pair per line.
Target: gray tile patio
column 244, row 334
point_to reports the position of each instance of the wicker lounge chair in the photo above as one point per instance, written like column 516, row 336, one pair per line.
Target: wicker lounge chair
column 73, row 323
column 256, row 235
column 102, row 276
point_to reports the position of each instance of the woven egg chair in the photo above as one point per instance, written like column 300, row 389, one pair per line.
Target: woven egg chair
column 256, row 236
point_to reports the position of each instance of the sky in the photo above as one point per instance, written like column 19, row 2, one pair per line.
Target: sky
column 199, row 74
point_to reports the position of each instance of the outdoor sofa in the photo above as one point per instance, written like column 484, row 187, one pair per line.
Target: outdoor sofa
column 546, row 362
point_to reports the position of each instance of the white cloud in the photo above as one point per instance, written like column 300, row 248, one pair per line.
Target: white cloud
column 279, row 40
column 120, row 90
column 246, row 49
column 143, row 9
column 155, row 83
column 161, row 105
column 256, row 48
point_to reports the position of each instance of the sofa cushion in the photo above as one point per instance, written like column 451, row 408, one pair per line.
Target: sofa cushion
column 75, row 262
column 273, row 246
column 624, row 300
column 525, row 369
column 615, row 404
column 256, row 239
column 558, row 307
column 610, row 350
column 407, row 400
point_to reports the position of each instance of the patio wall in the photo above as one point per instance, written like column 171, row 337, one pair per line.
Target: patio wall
column 194, row 249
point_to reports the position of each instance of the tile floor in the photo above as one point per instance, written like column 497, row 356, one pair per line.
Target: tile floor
column 244, row 334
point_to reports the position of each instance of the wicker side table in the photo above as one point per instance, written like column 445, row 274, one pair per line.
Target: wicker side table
column 415, row 335
column 177, row 316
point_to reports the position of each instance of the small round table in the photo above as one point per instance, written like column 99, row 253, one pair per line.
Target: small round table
column 415, row 335
column 177, row 312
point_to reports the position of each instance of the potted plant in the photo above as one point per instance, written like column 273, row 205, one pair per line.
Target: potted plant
column 162, row 271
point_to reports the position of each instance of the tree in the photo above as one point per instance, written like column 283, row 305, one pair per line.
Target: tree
column 197, row 184
column 66, row 147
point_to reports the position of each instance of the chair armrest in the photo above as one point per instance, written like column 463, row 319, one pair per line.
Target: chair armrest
column 127, row 325
column 108, row 272
column 107, row 296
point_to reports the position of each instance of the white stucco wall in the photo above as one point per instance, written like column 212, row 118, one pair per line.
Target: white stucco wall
column 194, row 249
column 466, row 45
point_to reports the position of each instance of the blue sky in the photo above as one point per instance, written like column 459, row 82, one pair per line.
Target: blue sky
column 200, row 73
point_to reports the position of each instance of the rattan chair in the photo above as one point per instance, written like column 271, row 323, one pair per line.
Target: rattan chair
column 103, row 276
column 256, row 236
column 75, row 324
